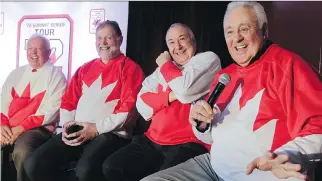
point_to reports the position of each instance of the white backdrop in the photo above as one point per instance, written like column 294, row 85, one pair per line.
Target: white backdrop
column 70, row 26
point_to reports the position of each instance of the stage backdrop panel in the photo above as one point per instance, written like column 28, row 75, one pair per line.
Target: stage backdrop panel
column 70, row 27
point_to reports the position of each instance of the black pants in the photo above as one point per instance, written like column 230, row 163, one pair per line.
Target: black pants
column 49, row 162
column 143, row 157
column 24, row 146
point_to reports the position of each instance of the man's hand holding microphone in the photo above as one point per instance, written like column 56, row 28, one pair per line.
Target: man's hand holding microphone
column 203, row 111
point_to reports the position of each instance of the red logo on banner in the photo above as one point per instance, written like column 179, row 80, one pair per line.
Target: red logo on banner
column 96, row 17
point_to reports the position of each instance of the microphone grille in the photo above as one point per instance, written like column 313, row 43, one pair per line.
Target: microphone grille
column 224, row 78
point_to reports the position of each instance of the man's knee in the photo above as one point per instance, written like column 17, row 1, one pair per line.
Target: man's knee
column 36, row 165
column 31, row 166
column 27, row 143
column 85, row 170
column 148, row 178
column 20, row 154
column 82, row 172
column 155, row 177
column 111, row 170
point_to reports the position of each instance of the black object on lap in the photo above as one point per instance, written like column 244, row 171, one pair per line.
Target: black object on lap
column 73, row 129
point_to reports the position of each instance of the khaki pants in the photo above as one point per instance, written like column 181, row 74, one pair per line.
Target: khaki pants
column 24, row 146
column 197, row 168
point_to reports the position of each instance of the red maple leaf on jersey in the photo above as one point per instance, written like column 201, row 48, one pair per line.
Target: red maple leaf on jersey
column 23, row 106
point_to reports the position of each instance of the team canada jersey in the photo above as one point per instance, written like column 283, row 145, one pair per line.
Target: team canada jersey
column 273, row 104
column 31, row 98
column 170, row 122
column 104, row 94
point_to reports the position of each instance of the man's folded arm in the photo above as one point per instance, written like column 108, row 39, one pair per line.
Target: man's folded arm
column 192, row 82
column 150, row 100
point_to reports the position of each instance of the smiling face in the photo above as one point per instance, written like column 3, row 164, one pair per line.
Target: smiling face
column 242, row 35
column 37, row 52
column 180, row 44
column 108, row 43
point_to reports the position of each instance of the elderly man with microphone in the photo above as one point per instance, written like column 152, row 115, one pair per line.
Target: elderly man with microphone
column 267, row 123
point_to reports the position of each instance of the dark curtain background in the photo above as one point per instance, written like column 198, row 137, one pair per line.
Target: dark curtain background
column 293, row 25
column 149, row 21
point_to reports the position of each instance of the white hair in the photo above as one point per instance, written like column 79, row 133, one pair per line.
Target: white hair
column 191, row 35
column 258, row 10
column 43, row 38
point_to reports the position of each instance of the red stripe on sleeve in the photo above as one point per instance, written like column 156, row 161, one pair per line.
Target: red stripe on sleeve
column 4, row 119
column 170, row 71
column 156, row 101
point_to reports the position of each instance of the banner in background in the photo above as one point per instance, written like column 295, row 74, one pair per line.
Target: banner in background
column 1, row 22
column 70, row 27
column 58, row 29
column 96, row 17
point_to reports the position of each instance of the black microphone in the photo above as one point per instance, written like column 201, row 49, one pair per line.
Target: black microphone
column 224, row 79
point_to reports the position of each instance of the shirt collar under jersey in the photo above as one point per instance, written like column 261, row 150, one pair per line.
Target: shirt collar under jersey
column 39, row 69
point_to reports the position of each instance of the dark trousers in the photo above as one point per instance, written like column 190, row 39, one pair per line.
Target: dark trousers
column 24, row 146
column 143, row 157
column 49, row 162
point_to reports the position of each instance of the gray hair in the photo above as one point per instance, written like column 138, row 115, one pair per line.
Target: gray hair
column 258, row 10
column 113, row 24
column 191, row 35
column 43, row 38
